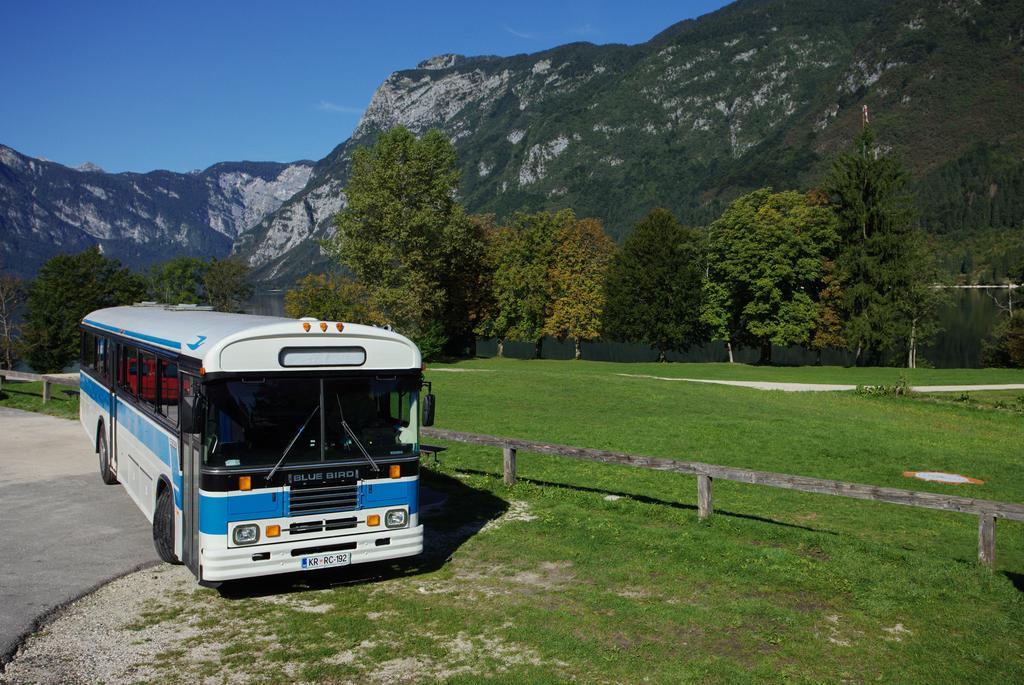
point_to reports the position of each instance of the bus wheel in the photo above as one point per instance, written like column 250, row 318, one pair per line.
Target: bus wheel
column 106, row 473
column 163, row 527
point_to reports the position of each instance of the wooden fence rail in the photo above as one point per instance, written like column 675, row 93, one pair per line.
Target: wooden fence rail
column 987, row 511
column 8, row 375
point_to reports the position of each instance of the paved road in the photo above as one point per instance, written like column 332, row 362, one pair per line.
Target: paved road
column 825, row 387
column 62, row 531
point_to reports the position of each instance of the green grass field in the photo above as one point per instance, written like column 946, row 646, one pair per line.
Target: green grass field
column 598, row 573
column 29, row 396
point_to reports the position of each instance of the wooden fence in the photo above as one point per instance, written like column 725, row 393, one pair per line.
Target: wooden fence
column 47, row 381
column 987, row 511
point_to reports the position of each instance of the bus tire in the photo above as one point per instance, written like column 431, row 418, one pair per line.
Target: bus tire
column 163, row 527
column 106, row 472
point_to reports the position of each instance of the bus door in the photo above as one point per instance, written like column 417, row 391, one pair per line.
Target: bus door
column 191, row 463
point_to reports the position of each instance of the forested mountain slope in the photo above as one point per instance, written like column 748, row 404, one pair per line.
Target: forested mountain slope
column 761, row 92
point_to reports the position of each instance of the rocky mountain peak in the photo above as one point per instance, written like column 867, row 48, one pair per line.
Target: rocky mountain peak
column 444, row 61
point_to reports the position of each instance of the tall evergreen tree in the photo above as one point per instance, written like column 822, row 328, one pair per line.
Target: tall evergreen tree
column 653, row 293
column 66, row 289
column 879, row 249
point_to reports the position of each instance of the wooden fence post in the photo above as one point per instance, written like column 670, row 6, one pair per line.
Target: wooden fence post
column 509, row 464
column 987, row 539
column 46, row 391
column 705, row 505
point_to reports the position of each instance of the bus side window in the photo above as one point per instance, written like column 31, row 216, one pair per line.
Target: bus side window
column 168, row 390
column 88, row 351
column 147, row 379
column 102, row 365
column 128, row 370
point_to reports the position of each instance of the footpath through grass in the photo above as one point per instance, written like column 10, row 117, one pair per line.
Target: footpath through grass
column 597, row 573
column 780, row 374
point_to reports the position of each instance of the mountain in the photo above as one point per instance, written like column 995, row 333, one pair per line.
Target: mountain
column 759, row 92
column 46, row 208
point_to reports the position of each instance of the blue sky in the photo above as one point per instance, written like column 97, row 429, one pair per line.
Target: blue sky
column 136, row 86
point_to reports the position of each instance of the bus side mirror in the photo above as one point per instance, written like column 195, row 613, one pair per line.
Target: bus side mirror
column 191, row 415
column 428, row 410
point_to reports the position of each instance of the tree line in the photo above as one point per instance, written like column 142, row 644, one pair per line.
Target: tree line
column 68, row 287
column 845, row 265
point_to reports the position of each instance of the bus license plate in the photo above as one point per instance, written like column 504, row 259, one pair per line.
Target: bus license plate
column 327, row 560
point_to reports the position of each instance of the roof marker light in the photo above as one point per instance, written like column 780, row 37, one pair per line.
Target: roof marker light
column 323, row 326
column 340, row 327
column 305, row 326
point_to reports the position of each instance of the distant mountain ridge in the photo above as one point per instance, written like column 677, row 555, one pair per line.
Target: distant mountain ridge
column 46, row 208
column 761, row 92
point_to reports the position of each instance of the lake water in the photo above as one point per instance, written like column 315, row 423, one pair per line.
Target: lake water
column 966, row 320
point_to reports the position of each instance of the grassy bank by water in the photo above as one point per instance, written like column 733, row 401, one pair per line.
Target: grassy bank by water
column 604, row 574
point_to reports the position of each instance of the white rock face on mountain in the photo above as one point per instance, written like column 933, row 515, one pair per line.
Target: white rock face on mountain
column 429, row 100
column 46, row 208
column 239, row 201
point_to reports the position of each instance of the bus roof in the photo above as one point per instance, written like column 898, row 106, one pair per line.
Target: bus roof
column 204, row 335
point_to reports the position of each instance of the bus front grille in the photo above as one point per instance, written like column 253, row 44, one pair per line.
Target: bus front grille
column 321, row 500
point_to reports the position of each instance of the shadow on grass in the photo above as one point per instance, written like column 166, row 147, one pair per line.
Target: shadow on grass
column 645, row 499
column 447, row 526
column 1016, row 578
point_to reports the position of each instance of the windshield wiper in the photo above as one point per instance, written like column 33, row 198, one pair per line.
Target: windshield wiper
column 351, row 434
column 292, row 443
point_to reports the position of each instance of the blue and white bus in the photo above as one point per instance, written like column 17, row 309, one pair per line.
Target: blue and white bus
column 257, row 445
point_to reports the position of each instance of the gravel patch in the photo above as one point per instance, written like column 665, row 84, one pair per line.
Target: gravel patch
column 110, row 636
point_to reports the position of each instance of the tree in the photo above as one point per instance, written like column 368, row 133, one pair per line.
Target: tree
column 525, row 278
column 1006, row 347
column 330, row 298
column 579, row 269
column 829, row 331
column 498, row 306
column 653, row 290
column 177, row 281
column 226, row 284
column 66, row 289
column 519, row 258
column 878, row 237
column 12, row 296
column 466, row 282
column 917, row 305
column 766, row 264
column 406, row 238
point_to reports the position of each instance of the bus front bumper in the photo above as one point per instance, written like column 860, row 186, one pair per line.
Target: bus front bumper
column 286, row 557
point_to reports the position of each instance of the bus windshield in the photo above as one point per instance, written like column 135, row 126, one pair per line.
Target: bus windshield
column 254, row 422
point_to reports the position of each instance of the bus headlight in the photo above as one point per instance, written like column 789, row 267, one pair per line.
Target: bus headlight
column 248, row 534
column 396, row 518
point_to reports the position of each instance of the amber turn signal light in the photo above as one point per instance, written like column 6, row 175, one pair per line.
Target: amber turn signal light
column 305, row 326
column 273, row 531
column 373, row 520
column 395, row 471
column 245, row 482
